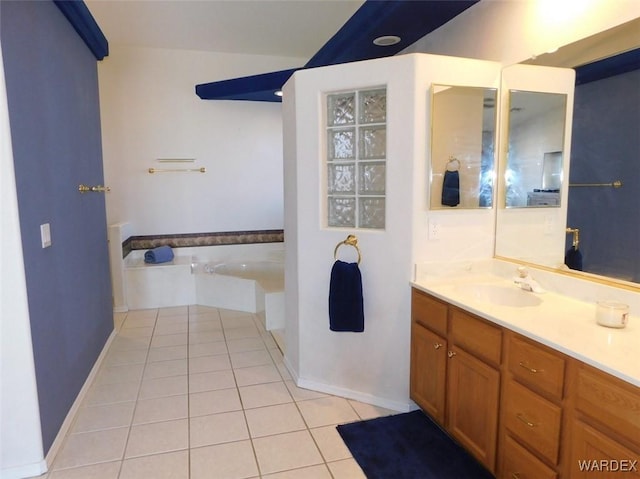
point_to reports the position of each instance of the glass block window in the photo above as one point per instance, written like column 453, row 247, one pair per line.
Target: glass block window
column 356, row 158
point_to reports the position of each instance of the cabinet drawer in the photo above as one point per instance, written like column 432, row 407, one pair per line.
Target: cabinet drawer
column 519, row 463
column 609, row 400
column 476, row 336
column 429, row 312
column 596, row 456
column 536, row 366
column 534, row 420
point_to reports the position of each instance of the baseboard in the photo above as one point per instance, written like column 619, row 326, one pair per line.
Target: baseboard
column 71, row 415
column 399, row 406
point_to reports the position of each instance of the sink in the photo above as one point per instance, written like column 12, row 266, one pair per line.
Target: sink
column 500, row 295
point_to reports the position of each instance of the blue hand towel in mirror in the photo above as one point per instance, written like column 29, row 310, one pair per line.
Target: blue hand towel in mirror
column 161, row 254
column 451, row 188
column 573, row 258
column 346, row 312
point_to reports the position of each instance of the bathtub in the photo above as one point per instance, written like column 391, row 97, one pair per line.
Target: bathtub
column 252, row 286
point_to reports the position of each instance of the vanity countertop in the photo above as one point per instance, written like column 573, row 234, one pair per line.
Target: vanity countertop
column 560, row 322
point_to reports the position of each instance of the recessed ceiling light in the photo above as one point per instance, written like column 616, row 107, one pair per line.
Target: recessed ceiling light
column 278, row 93
column 386, row 40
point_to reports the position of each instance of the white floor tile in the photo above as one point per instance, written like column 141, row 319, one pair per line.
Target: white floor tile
column 257, row 375
column 167, row 354
column 250, row 358
column 107, row 470
column 217, row 429
column 118, row 358
column 286, row 451
column 300, row 394
column 158, row 437
column 245, row 344
column 207, row 349
column 211, row 381
column 161, row 409
column 331, row 445
column 171, row 327
column 268, row 394
column 327, row 411
column 111, row 393
column 164, row 340
column 162, row 387
column 270, row 420
column 171, row 465
column 201, row 337
column 88, row 448
column 205, row 325
column 204, row 364
column 234, row 460
column 165, row 369
column 369, row 411
column 125, row 373
column 242, row 333
column 107, row 416
column 313, row 472
column 346, row 469
column 213, row 402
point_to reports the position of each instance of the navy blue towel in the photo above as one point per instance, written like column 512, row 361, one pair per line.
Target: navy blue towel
column 161, row 254
column 346, row 312
column 573, row 258
column 451, row 188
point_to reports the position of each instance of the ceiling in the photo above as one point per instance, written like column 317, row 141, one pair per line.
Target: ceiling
column 287, row 28
column 315, row 32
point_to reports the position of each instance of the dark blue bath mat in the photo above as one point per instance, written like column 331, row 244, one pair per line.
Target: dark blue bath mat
column 408, row 446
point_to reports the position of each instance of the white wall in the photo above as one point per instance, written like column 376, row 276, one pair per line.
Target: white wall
column 21, row 452
column 149, row 110
column 512, row 31
column 372, row 366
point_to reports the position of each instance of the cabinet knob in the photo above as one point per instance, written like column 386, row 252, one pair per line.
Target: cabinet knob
column 525, row 420
column 437, row 346
column 451, row 354
column 515, row 475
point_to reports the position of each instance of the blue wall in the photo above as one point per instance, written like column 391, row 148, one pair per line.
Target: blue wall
column 606, row 147
column 52, row 92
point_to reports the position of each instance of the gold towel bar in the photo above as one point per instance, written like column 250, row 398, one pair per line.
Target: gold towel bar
column 576, row 236
column 613, row 184
column 165, row 170
column 350, row 241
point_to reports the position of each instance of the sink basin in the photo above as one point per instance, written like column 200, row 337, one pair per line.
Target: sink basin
column 500, row 295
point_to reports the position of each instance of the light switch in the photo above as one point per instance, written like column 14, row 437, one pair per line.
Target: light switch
column 45, row 235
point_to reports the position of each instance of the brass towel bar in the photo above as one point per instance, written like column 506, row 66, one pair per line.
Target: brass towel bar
column 350, row 241
column 613, row 184
column 576, row 236
column 165, row 170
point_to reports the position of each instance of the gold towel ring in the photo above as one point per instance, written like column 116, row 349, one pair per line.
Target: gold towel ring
column 350, row 241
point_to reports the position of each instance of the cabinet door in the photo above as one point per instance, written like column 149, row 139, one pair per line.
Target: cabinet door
column 428, row 369
column 596, row 456
column 472, row 405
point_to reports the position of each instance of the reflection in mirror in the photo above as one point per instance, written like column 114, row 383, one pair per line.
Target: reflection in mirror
column 463, row 132
column 533, row 175
column 605, row 149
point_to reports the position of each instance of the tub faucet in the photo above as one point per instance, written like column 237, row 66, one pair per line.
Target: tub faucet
column 526, row 282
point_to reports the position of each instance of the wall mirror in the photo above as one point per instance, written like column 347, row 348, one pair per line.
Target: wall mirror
column 533, row 174
column 601, row 201
column 463, row 135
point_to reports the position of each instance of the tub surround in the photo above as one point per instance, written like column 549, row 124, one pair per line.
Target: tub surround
column 564, row 320
column 201, row 239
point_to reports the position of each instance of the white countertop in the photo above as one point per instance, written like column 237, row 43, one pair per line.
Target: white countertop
column 563, row 323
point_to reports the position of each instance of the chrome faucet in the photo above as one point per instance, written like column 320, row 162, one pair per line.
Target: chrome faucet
column 526, row 282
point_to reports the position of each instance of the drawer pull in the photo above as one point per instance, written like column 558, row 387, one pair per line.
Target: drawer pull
column 528, row 368
column 451, row 354
column 525, row 420
column 515, row 475
column 437, row 346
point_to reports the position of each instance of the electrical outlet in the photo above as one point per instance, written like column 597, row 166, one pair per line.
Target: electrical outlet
column 549, row 225
column 434, row 230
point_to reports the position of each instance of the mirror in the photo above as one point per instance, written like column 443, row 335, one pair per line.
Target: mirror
column 463, row 134
column 606, row 155
column 533, row 174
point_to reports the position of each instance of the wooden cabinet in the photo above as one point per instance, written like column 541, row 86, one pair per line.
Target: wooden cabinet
column 523, row 409
column 604, row 427
column 455, row 375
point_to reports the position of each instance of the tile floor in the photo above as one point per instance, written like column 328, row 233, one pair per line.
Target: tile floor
column 202, row 393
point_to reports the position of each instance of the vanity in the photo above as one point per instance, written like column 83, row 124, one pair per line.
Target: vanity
column 529, row 384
